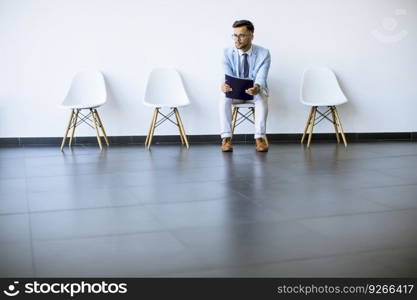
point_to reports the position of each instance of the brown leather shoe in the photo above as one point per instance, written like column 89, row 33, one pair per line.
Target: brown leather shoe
column 261, row 145
column 227, row 145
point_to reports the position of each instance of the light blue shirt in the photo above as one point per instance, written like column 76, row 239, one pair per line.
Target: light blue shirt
column 259, row 63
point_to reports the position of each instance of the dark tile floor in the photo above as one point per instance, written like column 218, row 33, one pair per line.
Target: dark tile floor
column 125, row 211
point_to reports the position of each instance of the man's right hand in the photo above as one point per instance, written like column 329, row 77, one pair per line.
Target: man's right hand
column 226, row 88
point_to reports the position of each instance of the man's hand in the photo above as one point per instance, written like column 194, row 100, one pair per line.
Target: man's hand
column 254, row 90
column 226, row 88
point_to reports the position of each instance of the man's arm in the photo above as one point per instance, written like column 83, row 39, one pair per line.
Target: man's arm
column 228, row 70
column 262, row 74
column 227, row 66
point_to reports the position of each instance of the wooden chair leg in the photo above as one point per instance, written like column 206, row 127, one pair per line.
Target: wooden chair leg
column 150, row 127
column 235, row 112
column 313, row 120
column 340, row 126
column 153, row 127
column 332, row 108
column 102, row 127
column 179, row 128
column 74, row 125
column 66, row 130
column 95, row 121
column 176, row 113
column 307, row 123
column 182, row 128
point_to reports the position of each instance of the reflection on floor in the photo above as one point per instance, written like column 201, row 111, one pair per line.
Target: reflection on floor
column 125, row 211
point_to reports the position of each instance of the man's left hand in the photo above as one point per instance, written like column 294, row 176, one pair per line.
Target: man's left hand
column 254, row 90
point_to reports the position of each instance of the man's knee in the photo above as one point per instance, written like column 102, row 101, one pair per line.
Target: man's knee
column 261, row 101
column 225, row 102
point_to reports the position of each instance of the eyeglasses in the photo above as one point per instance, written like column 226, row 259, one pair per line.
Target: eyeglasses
column 240, row 36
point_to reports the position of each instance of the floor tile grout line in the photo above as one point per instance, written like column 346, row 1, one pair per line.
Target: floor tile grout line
column 123, row 234
column 138, row 204
column 32, row 251
column 361, row 187
column 257, row 202
column 269, row 262
column 147, row 170
column 187, row 181
column 387, row 210
column 170, row 229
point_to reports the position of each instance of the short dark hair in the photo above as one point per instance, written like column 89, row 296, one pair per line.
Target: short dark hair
column 248, row 24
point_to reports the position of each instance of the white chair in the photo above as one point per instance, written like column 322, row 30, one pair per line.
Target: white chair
column 320, row 89
column 238, row 117
column 87, row 92
column 165, row 89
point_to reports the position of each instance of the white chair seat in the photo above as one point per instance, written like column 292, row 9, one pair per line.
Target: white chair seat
column 87, row 91
column 164, row 105
column 324, row 103
column 80, row 106
column 244, row 105
column 165, row 89
column 320, row 88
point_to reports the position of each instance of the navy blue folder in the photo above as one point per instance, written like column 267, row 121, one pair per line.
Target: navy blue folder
column 238, row 86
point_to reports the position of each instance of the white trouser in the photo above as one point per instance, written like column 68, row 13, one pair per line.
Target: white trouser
column 261, row 113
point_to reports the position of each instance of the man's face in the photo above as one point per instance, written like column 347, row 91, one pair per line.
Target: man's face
column 242, row 37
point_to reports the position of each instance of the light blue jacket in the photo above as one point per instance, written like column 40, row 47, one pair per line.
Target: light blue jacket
column 259, row 63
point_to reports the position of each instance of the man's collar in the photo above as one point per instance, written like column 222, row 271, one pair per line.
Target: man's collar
column 249, row 52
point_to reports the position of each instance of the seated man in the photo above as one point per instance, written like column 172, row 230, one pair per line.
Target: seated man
column 250, row 61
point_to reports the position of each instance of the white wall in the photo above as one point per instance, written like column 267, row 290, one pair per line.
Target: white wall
column 43, row 43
